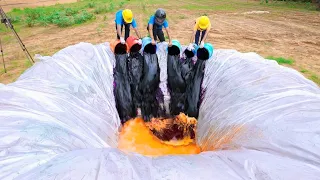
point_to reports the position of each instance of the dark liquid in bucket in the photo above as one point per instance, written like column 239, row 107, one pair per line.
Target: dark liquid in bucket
column 149, row 48
column 173, row 50
column 120, row 49
column 203, row 54
column 135, row 48
column 188, row 53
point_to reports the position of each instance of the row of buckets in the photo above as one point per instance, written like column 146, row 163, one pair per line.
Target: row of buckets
column 132, row 45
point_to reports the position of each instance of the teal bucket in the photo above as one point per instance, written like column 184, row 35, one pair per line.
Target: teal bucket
column 175, row 49
column 147, row 46
column 206, row 52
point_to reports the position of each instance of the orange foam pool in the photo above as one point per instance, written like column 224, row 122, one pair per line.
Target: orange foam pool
column 136, row 136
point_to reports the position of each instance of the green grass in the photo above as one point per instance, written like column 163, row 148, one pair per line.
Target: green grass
column 27, row 64
column 104, row 9
column 91, row 5
column 105, row 18
column 14, row 18
column 7, row 38
column 1, row 70
column 310, row 75
column 290, row 5
column 281, row 60
column 144, row 8
column 100, row 9
column 304, row 71
column 63, row 15
column 182, row 17
column 111, row 7
column 315, row 78
column 121, row 4
column 12, row 66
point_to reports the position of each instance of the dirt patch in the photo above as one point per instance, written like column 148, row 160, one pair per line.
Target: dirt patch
column 7, row 5
column 285, row 36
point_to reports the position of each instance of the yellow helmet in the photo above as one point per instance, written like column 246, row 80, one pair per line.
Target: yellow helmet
column 127, row 15
column 204, row 22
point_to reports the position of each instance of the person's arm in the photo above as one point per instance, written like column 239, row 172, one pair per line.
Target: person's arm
column 134, row 26
column 167, row 30
column 151, row 34
column 206, row 34
column 119, row 30
column 192, row 36
column 118, row 21
column 137, row 32
column 195, row 28
column 150, row 27
column 166, row 26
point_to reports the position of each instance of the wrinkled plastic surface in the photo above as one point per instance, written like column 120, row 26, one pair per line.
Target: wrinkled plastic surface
column 59, row 121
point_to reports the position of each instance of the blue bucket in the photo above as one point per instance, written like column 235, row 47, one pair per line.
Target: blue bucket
column 147, row 46
column 206, row 52
column 175, row 49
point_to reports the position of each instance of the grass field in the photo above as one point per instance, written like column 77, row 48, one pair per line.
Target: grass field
column 287, row 32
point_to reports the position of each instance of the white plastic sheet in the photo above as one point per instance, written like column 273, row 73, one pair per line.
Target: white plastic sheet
column 258, row 120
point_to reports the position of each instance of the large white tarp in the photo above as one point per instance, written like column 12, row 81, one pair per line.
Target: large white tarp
column 258, row 120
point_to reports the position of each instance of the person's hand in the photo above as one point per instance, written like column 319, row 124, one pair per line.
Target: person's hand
column 139, row 41
column 190, row 47
column 153, row 42
column 122, row 41
column 201, row 44
column 170, row 44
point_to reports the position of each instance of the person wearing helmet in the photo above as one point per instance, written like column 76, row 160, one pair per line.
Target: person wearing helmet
column 202, row 25
column 156, row 22
column 125, row 18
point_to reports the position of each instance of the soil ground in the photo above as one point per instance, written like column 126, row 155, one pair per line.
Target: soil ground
column 7, row 5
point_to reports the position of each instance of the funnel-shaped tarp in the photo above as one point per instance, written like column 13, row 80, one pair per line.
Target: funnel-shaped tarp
column 257, row 120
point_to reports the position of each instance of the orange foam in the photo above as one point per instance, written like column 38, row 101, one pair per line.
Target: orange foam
column 222, row 139
column 135, row 136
